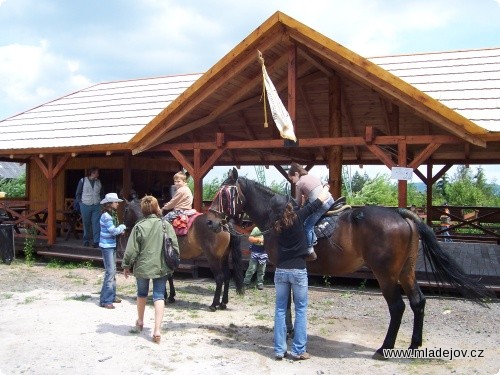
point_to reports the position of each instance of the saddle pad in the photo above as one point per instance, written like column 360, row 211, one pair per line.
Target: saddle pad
column 182, row 226
column 325, row 226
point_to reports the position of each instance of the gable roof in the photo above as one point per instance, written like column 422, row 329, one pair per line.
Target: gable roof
column 435, row 94
column 235, row 79
column 107, row 114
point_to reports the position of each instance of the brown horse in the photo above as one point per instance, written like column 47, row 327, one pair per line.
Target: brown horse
column 383, row 239
column 201, row 240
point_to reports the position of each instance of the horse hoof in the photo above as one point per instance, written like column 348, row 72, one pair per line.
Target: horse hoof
column 171, row 300
column 378, row 355
column 222, row 306
column 212, row 308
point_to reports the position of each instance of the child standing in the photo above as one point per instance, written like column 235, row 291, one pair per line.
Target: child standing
column 258, row 259
column 107, row 243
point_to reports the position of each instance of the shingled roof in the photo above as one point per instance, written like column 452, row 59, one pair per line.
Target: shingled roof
column 466, row 81
column 103, row 114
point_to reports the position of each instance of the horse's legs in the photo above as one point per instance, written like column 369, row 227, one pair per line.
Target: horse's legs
column 392, row 294
column 227, row 277
column 225, row 295
column 219, row 279
column 417, row 304
column 170, row 298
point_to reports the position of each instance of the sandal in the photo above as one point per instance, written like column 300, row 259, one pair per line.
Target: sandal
column 156, row 339
column 138, row 326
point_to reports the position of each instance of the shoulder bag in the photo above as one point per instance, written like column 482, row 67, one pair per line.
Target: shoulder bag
column 171, row 256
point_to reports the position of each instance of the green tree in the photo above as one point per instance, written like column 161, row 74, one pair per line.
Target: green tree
column 14, row 188
column 378, row 191
column 469, row 189
column 358, row 181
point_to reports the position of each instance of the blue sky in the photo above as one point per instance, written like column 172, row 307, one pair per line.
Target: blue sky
column 50, row 48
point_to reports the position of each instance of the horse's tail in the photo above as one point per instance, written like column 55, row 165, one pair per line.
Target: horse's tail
column 235, row 244
column 444, row 268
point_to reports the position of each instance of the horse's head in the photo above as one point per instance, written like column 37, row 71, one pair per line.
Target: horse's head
column 132, row 212
column 238, row 194
column 227, row 203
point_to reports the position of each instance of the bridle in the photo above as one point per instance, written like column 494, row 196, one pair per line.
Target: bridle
column 225, row 205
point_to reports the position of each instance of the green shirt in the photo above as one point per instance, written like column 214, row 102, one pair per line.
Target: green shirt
column 145, row 248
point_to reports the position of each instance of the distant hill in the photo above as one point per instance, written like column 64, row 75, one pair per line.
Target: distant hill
column 421, row 187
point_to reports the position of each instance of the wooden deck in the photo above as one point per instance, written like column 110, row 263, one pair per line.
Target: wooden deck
column 480, row 260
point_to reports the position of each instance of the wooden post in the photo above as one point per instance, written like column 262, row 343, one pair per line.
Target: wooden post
column 51, row 201
column 402, row 184
column 198, row 181
column 335, row 153
column 428, row 202
column 292, row 85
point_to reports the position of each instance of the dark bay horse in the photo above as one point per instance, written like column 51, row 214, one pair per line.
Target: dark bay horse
column 385, row 240
column 201, row 240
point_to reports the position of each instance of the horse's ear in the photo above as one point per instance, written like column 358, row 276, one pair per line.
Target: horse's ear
column 234, row 174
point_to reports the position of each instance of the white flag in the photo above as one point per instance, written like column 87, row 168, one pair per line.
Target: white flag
column 281, row 116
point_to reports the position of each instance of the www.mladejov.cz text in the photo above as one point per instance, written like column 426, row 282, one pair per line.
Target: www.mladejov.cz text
column 434, row 353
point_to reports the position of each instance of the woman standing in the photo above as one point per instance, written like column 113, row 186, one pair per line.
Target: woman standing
column 145, row 253
column 107, row 243
column 307, row 188
column 291, row 272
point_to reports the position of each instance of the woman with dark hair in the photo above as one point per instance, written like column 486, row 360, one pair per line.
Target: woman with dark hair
column 145, row 253
column 307, row 188
column 291, row 271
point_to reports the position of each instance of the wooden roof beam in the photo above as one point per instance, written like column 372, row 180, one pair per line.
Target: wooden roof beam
column 197, row 98
column 346, row 112
column 380, row 80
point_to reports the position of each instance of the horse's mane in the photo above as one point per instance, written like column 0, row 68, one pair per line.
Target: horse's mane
column 251, row 184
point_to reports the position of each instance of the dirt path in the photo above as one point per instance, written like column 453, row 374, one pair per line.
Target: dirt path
column 50, row 323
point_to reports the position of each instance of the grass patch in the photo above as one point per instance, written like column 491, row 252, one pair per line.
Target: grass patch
column 31, row 299
column 6, row 295
column 81, row 297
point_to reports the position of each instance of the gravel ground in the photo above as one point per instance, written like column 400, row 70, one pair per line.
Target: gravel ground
column 50, row 323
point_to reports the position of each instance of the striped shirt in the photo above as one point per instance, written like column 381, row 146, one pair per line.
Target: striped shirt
column 109, row 231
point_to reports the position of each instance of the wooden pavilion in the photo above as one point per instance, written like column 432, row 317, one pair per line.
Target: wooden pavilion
column 346, row 109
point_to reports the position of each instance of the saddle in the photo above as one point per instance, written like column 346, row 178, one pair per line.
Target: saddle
column 183, row 222
column 327, row 224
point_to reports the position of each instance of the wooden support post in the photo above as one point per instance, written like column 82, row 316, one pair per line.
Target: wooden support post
column 428, row 202
column 292, row 85
column 335, row 153
column 402, row 184
column 198, row 181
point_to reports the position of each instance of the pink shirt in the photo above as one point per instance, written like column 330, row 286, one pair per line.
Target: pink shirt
column 305, row 185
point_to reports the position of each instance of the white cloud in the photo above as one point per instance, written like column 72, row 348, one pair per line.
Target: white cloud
column 31, row 75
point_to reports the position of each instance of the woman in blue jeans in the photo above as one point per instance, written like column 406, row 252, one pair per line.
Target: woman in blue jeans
column 291, row 272
column 145, row 253
column 107, row 243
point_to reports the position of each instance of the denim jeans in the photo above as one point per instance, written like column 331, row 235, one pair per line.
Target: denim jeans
column 108, row 291
column 159, row 287
column 313, row 219
column 446, row 234
column 91, row 216
column 255, row 266
column 296, row 281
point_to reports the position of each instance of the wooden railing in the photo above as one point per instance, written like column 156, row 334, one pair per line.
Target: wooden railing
column 468, row 223
column 29, row 218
